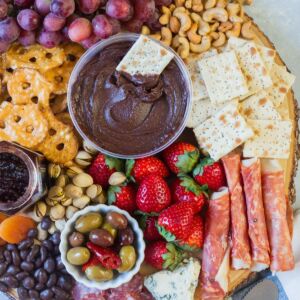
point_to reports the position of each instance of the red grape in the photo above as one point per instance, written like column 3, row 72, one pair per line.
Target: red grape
column 28, row 19
column 80, row 29
column 104, row 26
column 53, row 22
column 144, row 9
column 42, row 6
column 62, row 8
column 163, row 2
column 49, row 39
column 119, row 9
column 3, row 9
column 27, row 38
column 4, row 46
column 153, row 23
column 23, row 3
column 90, row 41
column 134, row 25
column 9, row 30
column 89, row 6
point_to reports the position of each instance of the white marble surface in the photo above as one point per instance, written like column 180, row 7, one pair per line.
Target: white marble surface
column 280, row 20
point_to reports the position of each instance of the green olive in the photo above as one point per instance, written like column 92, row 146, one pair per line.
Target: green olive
column 98, row 273
column 110, row 229
column 128, row 257
column 88, row 222
column 78, row 256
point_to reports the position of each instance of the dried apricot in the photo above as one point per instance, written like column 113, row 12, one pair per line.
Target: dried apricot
column 14, row 229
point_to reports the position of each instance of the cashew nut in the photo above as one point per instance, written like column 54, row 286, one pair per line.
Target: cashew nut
column 215, row 14
column 156, row 36
column 184, row 48
column 214, row 26
column 214, row 35
column 235, row 31
column 246, row 30
column 225, row 26
column 165, row 17
column 204, row 27
column 197, row 5
column 233, row 10
column 145, row 30
column 185, row 21
column 175, row 41
column 210, row 4
column 220, row 41
column 221, row 3
column 166, row 36
column 188, row 4
column 192, row 35
column 179, row 3
column 204, row 46
column 174, row 24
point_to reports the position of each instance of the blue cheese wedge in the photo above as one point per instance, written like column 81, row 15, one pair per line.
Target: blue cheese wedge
column 177, row 285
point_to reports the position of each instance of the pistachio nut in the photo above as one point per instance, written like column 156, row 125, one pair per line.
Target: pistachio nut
column 42, row 234
column 66, row 201
column 52, row 228
column 40, row 209
column 57, row 212
column 89, row 148
column 56, row 193
column 74, row 170
column 73, row 191
column 94, row 190
column 51, row 202
column 83, row 158
column 83, row 180
column 70, row 211
column 54, row 170
column 117, row 178
column 62, row 180
column 60, row 224
column 81, row 202
column 100, row 199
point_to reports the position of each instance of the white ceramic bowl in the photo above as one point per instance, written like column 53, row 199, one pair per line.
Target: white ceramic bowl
column 119, row 279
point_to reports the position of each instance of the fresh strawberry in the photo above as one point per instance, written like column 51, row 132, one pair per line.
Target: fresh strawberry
column 122, row 196
column 184, row 188
column 195, row 239
column 140, row 168
column 153, row 194
column 210, row 173
column 148, row 224
column 174, row 223
column 102, row 167
column 163, row 255
column 181, row 157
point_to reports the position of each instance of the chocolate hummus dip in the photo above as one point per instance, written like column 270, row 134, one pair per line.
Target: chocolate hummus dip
column 124, row 114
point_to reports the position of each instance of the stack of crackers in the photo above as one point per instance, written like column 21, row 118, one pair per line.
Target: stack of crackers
column 238, row 99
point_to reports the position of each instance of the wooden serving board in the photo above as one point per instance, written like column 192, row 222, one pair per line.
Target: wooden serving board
column 289, row 110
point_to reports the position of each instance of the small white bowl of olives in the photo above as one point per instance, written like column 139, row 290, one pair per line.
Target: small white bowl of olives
column 102, row 246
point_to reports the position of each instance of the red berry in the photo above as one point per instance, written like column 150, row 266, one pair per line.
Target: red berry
column 153, row 194
column 181, row 157
column 122, row 196
column 150, row 230
column 102, row 167
column 186, row 189
column 210, row 173
column 195, row 239
column 140, row 168
column 162, row 255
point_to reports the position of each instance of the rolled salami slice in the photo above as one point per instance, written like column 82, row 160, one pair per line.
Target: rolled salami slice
column 282, row 258
column 257, row 228
column 215, row 259
column 240, row 245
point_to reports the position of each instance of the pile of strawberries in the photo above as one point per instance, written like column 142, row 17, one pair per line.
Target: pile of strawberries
column 168, row 204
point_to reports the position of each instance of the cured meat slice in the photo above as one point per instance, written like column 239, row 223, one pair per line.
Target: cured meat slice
column 257, row 229
column 282, row 258
column 215, row 260
column 240, row 246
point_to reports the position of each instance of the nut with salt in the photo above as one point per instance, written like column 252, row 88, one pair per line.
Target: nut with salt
column 40, row 209
column 70, row 211
column 117, row 178
column 83, row 158
column 83, row 180
column 101, row 199
column 73, row 191
column 56, row 193
column 93, row 191
column 54, row 170
column 62, row 180
column 51, row 202
column 66, row 201
column 81, row 202
column 89, row 148
column 57, row 212
column 73, row 171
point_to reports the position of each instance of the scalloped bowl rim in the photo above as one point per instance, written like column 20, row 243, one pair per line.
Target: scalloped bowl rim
column 122, row 277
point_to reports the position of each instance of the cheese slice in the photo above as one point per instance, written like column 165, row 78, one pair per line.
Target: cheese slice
column 179, row 284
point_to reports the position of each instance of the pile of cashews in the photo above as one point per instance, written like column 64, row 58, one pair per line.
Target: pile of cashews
column 195, row 26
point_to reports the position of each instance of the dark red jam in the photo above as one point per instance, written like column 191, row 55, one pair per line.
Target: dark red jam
column 14, row 177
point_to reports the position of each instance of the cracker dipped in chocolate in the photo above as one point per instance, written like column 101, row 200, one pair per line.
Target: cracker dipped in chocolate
column 126, row 114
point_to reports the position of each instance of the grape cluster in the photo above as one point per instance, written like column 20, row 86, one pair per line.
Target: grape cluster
column 50, row 22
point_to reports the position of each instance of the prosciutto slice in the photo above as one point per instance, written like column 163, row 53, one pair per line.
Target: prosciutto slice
column 282, row 258
column 257, row 228
column 240, row 246
column 215, row 259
